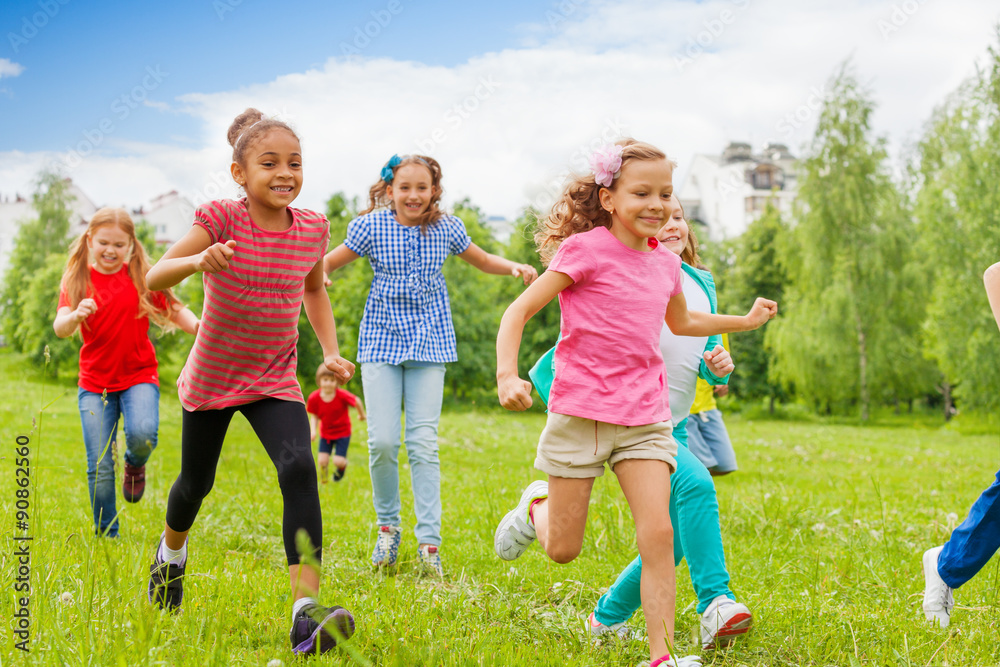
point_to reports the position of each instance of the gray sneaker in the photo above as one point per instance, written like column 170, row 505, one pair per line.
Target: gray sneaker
column 516, row 531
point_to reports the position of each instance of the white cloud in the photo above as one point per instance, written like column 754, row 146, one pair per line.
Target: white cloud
column 10, row 68
column 688, row 77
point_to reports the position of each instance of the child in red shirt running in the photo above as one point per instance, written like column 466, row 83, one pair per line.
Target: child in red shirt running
column 104, row 295
column 330, row 420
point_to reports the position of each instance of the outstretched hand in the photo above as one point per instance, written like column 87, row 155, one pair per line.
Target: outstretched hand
column 719, row 361
column 216, row 257
column 762, row 311
column 525, row 271
column 342, row 368
column 515, row 393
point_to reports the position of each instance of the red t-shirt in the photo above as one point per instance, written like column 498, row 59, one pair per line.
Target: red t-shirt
column 116, row 353
column 334, row 421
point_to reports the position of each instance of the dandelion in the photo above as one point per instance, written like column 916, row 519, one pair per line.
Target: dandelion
column 66, row 598
column 276, row 663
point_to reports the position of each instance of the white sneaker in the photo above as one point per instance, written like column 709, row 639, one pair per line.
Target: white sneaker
column 516, row 531
column 723, row 621
column 938, row 601
column 596, row 628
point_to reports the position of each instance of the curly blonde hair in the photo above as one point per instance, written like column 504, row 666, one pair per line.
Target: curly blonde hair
column 579, row 208
column 378, row 196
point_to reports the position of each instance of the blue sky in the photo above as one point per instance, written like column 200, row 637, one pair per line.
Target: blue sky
column 87, row 55
column 133, row 99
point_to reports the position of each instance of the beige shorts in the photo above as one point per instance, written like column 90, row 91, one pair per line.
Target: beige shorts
column 577, row 447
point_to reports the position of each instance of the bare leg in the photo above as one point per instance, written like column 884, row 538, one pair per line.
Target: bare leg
column 560, row 519
column 324, row 462
column 304, row 580
column 340, row 462
column 646, row 484
column 174, row 539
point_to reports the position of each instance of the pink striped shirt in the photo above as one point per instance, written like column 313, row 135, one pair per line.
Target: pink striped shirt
column 245, row 349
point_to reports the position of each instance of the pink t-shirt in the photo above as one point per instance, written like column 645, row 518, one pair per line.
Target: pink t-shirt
column 608, row 365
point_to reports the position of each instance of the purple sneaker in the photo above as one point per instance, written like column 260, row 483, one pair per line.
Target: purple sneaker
column 317, row 629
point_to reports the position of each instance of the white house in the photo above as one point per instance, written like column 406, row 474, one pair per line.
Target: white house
column 725, row 193
column 17, row 209
column 170, row 215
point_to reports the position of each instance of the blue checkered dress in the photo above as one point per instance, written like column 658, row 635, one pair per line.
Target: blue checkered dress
column 407, row 316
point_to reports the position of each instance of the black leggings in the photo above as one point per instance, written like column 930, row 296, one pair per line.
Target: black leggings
column 283, row 429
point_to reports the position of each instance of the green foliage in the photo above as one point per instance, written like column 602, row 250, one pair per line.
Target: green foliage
column 851, row 296
column 36, row 240
column 957, row 208
column 38, row 304
column 758, row 269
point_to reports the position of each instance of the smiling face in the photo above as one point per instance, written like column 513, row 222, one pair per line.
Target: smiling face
column 110, row 247
column 674, row 234
column 641, row 201
column 272, row 175
column 411, row 192
column 328, row 384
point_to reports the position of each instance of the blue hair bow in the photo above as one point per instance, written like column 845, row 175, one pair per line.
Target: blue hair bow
column 387, row 172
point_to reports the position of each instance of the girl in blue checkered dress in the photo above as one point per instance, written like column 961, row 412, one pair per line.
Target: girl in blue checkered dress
column 407, row 337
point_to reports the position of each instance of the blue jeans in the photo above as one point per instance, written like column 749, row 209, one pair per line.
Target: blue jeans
column 140, row 404
column 709, row 441
column 975, row 541
column 415, row 388
column 694, row 514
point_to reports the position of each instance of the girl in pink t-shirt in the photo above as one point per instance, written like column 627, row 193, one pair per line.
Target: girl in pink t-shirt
column 608, row 403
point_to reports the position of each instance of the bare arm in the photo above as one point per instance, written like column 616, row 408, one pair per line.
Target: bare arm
column 497, row 265
column 992, row 280
column 316, row 301
column 193, row 253
column 515, row 393
column 313, row 426
column 338, row 257
column 683, row 322
column 360, row 407
column 68, row 319
column 185, row 320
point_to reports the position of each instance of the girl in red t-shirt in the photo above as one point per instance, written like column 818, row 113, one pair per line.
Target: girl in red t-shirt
column 104, row 295
column 330, row 419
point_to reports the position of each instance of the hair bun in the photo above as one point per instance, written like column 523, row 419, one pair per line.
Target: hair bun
column 241, row 123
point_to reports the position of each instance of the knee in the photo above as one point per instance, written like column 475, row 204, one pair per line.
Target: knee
column 193, row 490
column 562, row 553
column 382, row 451
column 659, row 537
column 296, row 473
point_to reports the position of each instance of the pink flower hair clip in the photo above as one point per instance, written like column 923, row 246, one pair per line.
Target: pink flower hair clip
column 606, row 162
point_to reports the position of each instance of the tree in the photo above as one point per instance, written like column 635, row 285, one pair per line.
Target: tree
column 956, row 206
column 844, row 330
column 36, row 240
column 758, row 269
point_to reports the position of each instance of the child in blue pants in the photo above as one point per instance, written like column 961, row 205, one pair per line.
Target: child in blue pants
column 975, row 541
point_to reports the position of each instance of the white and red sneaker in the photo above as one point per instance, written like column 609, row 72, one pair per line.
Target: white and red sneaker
column 723, row 621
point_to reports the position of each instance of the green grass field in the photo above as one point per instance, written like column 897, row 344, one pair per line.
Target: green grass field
column 824, row 528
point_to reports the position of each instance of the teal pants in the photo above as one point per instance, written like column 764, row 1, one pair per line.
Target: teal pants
column 694, row 515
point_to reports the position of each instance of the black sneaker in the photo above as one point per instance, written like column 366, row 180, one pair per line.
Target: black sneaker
column 317, row 629
column 166, row 583
column 339, row 474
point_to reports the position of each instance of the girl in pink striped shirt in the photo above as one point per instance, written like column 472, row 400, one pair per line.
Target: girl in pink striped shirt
column 262, row 261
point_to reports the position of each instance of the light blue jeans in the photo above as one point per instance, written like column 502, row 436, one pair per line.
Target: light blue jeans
column 413, row 388
column 140, row 405
column 694, row 514
column 709, row 441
